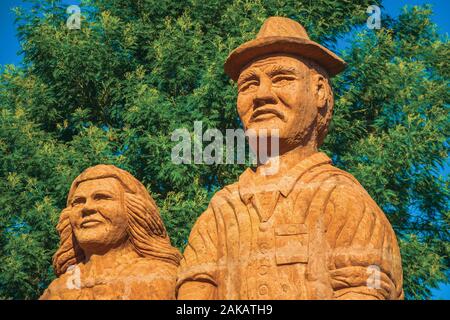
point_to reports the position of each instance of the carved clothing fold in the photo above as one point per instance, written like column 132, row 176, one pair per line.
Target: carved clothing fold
column 315, row 234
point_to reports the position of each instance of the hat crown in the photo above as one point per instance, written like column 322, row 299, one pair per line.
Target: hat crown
column 280, row 35
column 282, row 27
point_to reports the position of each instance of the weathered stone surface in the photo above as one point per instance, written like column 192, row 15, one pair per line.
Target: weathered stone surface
column 113, row 242
column 308, row 230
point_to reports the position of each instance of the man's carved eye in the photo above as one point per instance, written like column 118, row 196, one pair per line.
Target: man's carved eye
column 282, row 80
column 248, row 86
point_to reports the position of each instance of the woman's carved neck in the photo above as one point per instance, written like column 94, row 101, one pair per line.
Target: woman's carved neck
column 123, row 252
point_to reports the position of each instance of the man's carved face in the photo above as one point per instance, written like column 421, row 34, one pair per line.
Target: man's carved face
column 98, row 215
column 278, row 92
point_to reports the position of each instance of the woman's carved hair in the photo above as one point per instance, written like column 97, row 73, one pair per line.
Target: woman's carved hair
column 146, row 231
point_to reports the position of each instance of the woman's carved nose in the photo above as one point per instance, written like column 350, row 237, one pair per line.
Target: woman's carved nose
column 88, row 209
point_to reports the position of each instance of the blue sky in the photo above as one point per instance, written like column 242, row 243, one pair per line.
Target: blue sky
column 10, row 47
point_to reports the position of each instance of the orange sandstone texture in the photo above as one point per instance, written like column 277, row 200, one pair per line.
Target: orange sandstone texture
column 307, row 230
column 113, row 242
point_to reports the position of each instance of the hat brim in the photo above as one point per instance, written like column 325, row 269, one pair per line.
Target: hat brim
column 253, row 49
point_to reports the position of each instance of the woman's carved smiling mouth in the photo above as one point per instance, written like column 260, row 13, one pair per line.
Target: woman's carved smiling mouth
column 89, row 222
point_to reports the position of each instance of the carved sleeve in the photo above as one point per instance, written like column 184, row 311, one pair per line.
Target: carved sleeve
column 365, row 260
column 199, row 261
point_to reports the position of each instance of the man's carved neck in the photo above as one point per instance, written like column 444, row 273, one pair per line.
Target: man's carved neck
column 287, row 160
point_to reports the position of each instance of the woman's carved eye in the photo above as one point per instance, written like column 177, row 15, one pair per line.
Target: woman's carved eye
column 101, row 196
column 77, row 201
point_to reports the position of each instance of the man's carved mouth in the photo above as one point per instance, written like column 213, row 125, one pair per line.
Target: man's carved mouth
column 266, row 113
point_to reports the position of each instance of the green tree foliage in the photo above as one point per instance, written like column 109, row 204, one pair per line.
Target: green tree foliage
column 115, row 90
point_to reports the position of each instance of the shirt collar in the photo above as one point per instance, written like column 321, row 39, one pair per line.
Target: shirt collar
column 287, row 182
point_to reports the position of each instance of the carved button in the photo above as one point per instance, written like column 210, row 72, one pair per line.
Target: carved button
column 264, row 226
column 263, row 290
column 285, row 287
column 263, row 270
column 264, row 247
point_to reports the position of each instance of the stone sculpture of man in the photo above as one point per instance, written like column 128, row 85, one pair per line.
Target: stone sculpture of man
column 113, row 242
column 309, row 230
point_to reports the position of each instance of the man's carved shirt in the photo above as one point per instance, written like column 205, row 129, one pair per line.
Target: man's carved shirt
column 314, row 234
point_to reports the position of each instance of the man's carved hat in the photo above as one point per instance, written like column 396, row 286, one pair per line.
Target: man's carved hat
column 282, row 35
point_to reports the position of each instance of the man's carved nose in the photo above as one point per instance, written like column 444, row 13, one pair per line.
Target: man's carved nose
column 264, row 96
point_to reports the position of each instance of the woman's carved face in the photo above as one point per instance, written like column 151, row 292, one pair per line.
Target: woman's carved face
column 98, row 215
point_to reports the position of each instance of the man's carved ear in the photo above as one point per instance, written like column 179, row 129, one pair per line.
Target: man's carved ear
column 324, row 97
column 321, row 92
